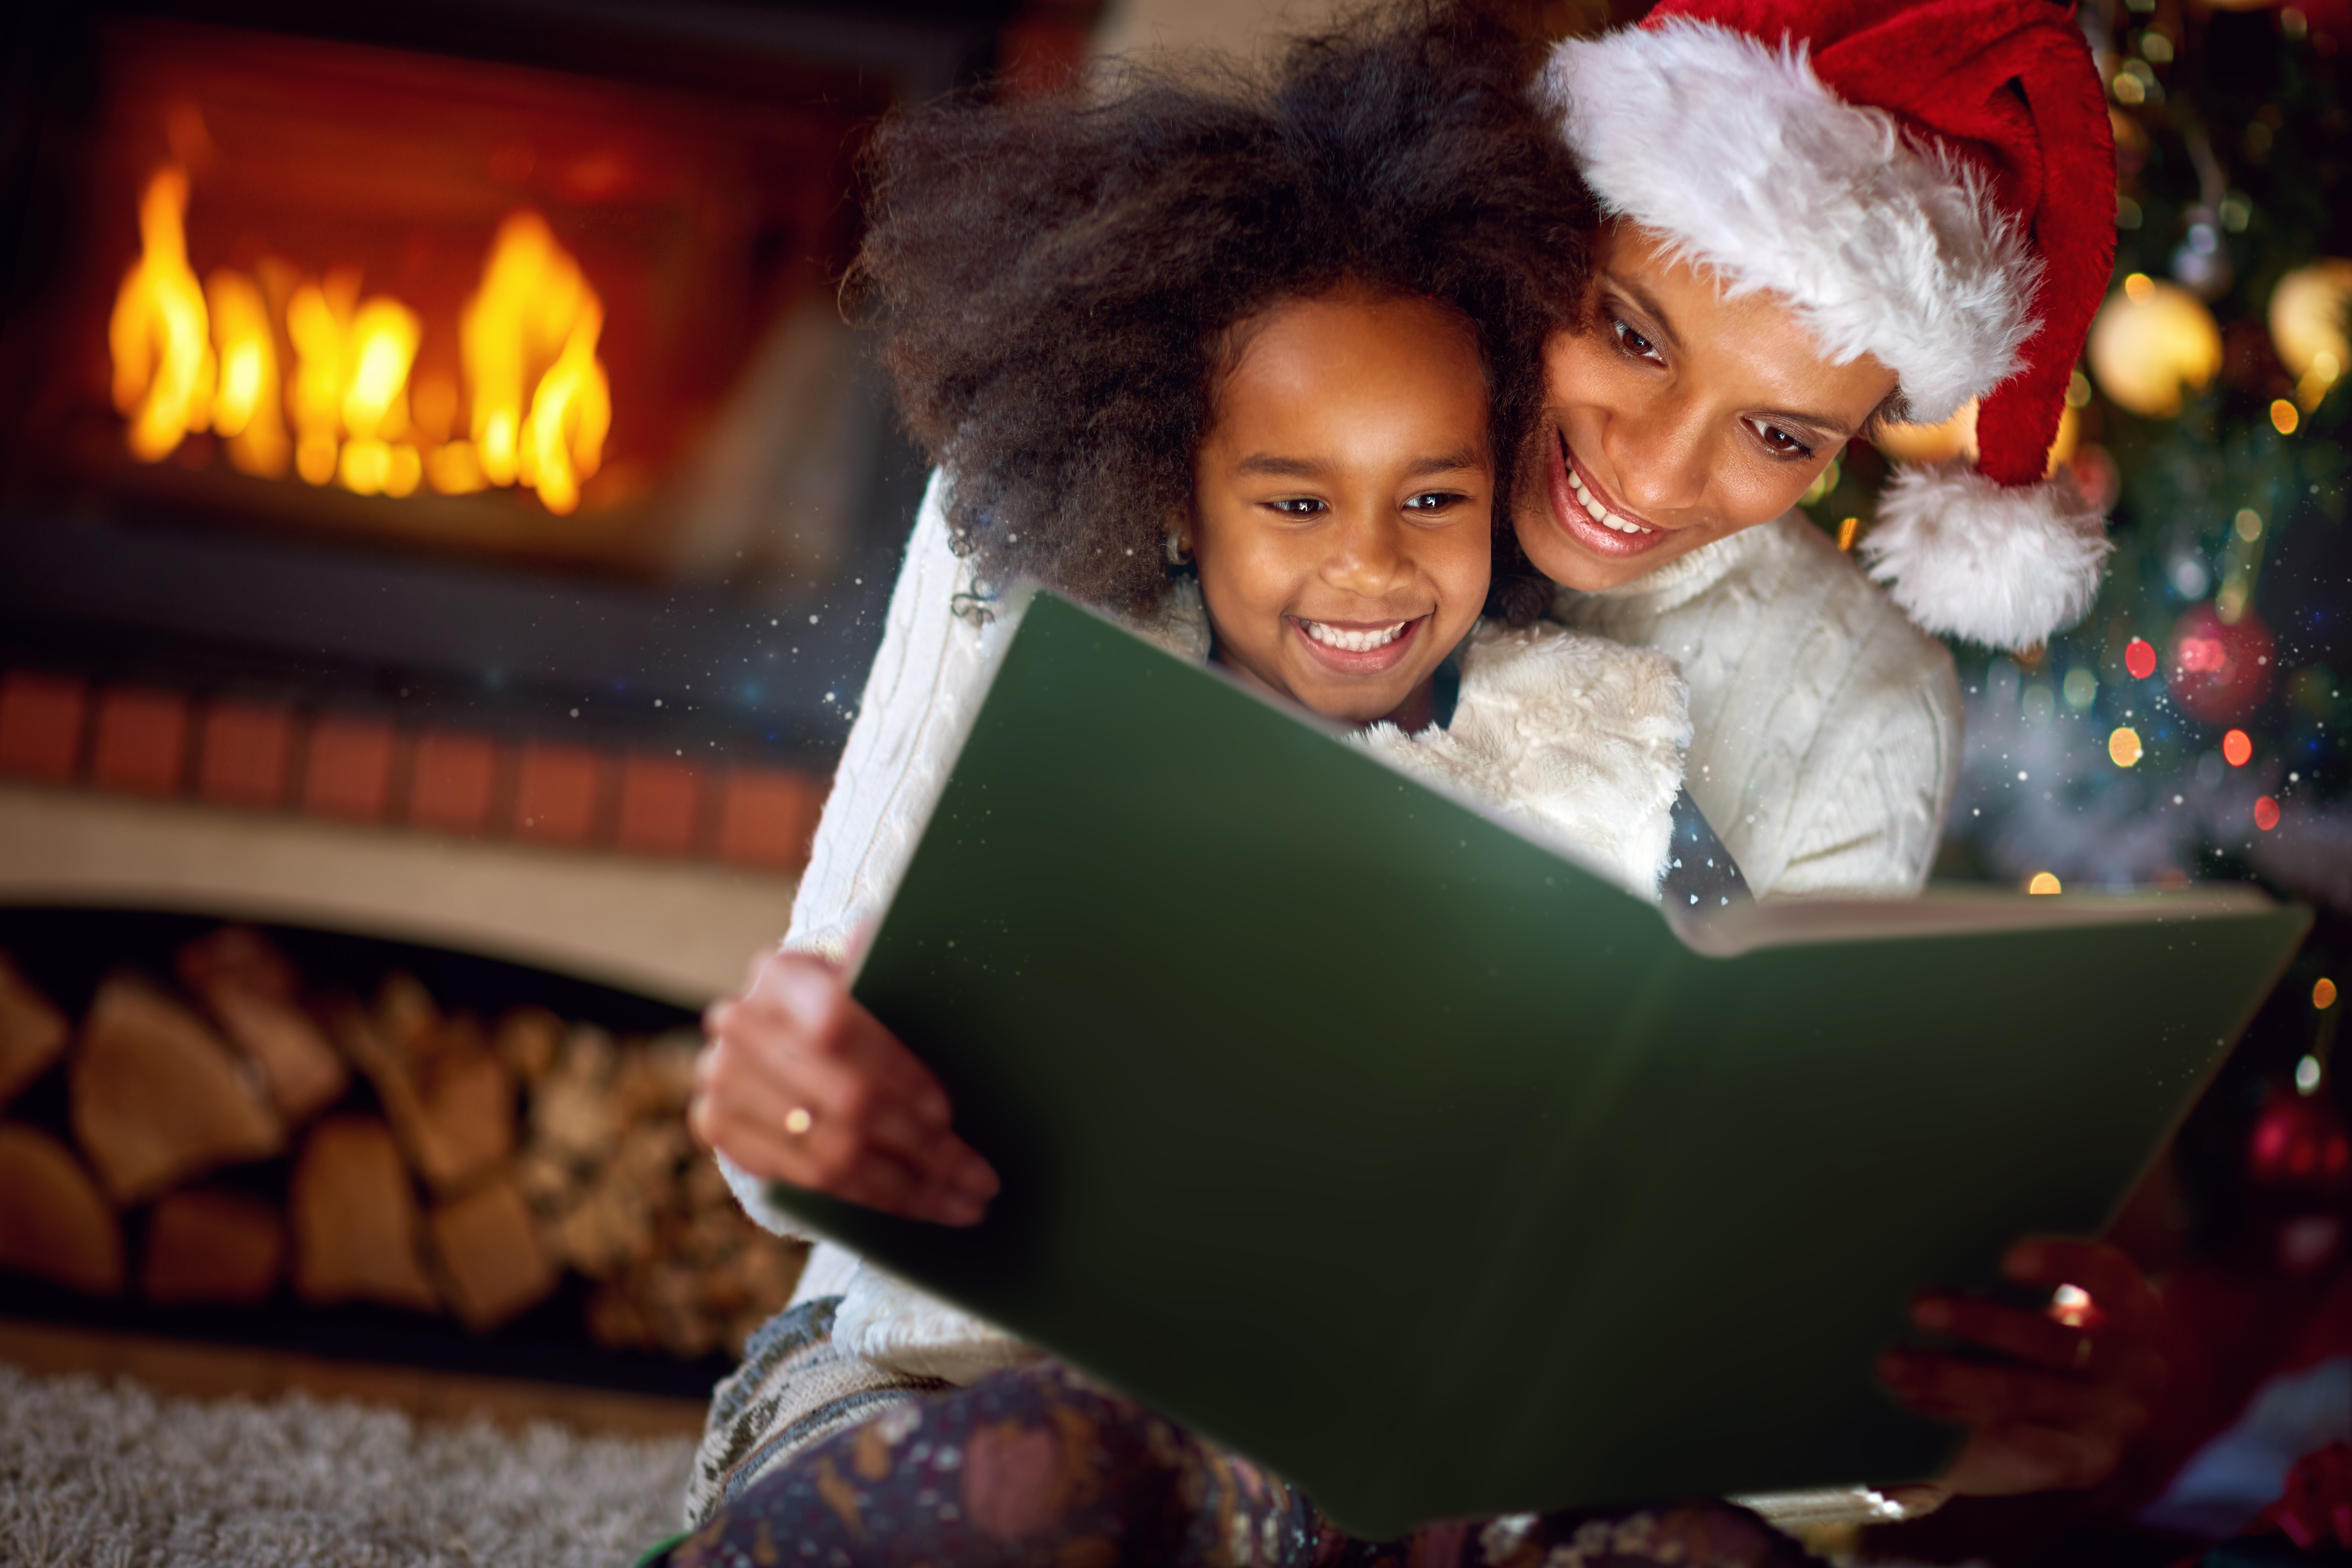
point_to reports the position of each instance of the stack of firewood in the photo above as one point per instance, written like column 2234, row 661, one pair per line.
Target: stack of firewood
column 436, row 1164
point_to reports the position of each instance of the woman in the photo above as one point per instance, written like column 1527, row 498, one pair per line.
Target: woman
column 1682, row 445
column 1819, row 221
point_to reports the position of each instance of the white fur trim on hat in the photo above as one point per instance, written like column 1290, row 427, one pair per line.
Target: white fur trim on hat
column 2000, row 565
column 1737, row 153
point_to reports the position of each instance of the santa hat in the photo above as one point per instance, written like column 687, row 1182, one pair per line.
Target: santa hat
column 1931, row 181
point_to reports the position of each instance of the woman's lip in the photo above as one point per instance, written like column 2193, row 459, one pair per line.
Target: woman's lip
column 1371, row 661
column 1580, row 524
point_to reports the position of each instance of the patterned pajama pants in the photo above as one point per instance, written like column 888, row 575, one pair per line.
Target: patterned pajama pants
column 1041, row 1467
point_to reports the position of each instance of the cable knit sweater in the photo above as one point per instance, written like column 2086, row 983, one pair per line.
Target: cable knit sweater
column 1575, row 739
column 1826, row 726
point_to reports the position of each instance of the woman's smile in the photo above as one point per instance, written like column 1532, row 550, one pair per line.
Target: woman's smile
column 1590, row 514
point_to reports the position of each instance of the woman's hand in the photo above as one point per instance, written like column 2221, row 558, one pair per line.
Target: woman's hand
column 2075, row 1385
column 798, row 1083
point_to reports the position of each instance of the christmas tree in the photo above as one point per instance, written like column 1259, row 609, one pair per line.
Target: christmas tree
column 2193, row 726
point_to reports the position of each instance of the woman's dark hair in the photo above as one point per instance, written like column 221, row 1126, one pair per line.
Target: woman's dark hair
column 1053, row 281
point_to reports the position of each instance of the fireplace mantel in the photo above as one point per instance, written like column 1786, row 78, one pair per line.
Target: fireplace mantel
column 678, row 931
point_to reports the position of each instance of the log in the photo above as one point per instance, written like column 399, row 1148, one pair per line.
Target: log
column 608, row 1230
column 454, row 1112
column 238, row 955
column 203, row 1244
column 304, row 1074
column 527, row 1040
column 406, row 1016
column 52, row 1223
column 575, row 1117
column 653, row 1083
column 355, row 1220
column 32, row 1031
column 490, row 1257
column 158, row 1098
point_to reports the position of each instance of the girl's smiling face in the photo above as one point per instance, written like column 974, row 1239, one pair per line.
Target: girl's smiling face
column 1343, row 501
column 1676, row 417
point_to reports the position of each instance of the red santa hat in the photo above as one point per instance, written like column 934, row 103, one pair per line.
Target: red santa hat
column 1931, row 182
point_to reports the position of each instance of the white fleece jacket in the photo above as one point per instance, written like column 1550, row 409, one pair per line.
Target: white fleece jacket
column 1575, row 738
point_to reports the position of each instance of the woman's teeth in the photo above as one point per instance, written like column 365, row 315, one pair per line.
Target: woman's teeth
column 1353, row 642
column 1601, row 514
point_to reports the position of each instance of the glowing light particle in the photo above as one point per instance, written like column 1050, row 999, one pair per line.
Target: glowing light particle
column 2306, row 1076
column 2284, row 416
column 2323, row 994
column 2123, row 746
column 2139, row 657
column 2043, row 882
column 2237, row 748
column 2266, row 814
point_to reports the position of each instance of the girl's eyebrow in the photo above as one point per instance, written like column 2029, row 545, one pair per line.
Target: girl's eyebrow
column 1283, row 468
column 1316, row 467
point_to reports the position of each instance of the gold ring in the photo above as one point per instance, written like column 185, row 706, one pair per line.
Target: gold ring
column 2082, row 1352
column 799, row 1120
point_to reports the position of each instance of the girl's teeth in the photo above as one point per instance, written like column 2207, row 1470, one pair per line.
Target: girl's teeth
column 1354, row 642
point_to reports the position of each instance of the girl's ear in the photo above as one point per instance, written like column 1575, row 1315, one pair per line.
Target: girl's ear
column 1180, row 547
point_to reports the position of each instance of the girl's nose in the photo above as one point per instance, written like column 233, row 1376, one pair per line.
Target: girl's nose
column 1368, row 556
column 1658, row 455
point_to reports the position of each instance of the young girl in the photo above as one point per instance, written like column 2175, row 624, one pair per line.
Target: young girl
column 1249, row 369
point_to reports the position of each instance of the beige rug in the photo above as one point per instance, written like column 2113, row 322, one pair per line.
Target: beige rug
column 109, row 1476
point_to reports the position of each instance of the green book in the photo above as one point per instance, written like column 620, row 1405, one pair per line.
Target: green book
column 1368, row 1137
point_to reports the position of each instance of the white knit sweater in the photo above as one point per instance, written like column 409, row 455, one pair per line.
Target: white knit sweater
column 1575, row 739
column 1826, row 726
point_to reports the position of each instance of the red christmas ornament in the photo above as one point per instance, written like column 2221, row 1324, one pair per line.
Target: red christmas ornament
column 2315, row 1509
column 2219, row 672
column 2299, row 1141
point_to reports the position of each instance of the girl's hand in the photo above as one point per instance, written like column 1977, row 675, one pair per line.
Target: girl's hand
column 797, row 1082
column 2075, row 1386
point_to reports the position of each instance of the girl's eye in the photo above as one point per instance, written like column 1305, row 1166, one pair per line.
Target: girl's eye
column 1634, row 342
column 1429, row 502
column 1778, row 442
column 1298, row 506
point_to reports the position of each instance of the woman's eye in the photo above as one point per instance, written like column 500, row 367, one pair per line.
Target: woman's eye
column 1779, row 442
column 1634, row 342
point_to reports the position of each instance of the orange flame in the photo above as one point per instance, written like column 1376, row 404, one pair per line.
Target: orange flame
column 534, row 323
column 246, row 405
column 162, row 359
column 185, row 357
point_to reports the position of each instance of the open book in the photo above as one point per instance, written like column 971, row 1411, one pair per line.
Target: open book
column 1358, row 1132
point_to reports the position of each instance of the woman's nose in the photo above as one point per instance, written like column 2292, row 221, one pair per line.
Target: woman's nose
column 1659, row 454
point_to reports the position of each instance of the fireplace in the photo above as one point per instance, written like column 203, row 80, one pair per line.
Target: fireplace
column 444, row 522
column 483, row 358
column 462, row 307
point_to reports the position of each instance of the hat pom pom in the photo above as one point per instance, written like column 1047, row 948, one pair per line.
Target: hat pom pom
column 1998, row 564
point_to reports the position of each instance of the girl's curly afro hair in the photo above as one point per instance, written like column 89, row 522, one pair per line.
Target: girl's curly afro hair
column 1053, row 281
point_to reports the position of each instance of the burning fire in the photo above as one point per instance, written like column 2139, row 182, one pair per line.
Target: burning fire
column 536, row 403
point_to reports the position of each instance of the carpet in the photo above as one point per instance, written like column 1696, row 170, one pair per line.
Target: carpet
column 110, row 1476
